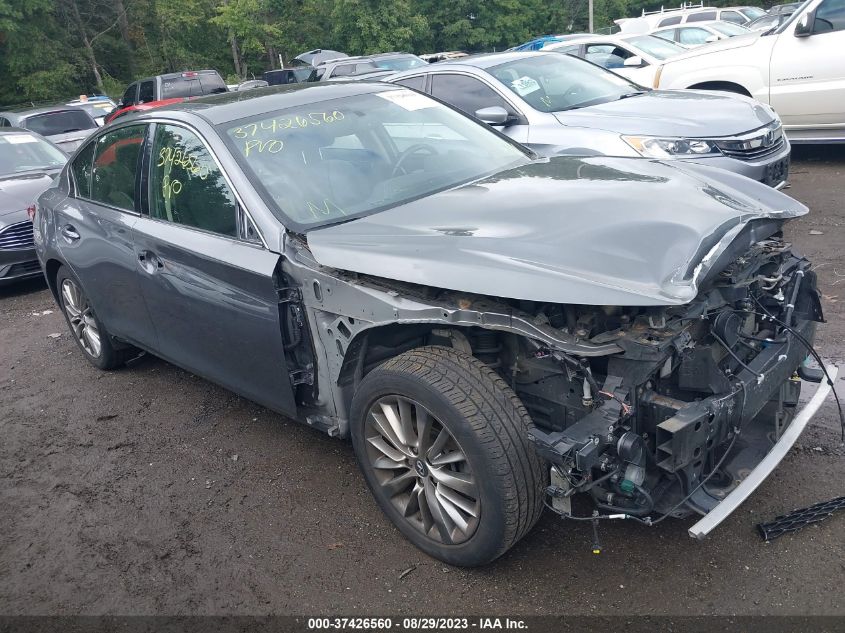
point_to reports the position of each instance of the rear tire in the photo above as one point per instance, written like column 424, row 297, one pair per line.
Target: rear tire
column 87, row 330
column 436, row 432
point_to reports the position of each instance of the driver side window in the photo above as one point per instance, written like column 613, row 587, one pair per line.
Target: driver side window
column 830, row 16
column 466, row 93
column 186, row 185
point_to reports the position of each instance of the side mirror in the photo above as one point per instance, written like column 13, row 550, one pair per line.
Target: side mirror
column 710, row 39
column 804, row 26
column 634, row 61
column 493, row 115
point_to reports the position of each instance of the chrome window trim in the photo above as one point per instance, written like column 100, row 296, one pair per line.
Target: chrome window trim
column 240, row 203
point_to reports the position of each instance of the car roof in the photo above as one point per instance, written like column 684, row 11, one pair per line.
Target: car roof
column 231, row 106
column 691, row 25
column 485, row 60
column 4, row 131
column 28, row 111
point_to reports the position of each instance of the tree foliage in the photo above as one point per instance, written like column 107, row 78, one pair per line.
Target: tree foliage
column 57, row 49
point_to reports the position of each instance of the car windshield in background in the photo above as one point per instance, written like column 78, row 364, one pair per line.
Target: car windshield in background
column 96, row 108
column 728, row 28
column 656, row 47
column 25, row 152
column 334, row 160
column 752, row 13
column 555, row 82
column 60, row 122
column 400, row 63
column 192, row 85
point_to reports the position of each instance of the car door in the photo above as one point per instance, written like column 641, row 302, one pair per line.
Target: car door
column 94, row 231
column 807, row 75
column 471, row 94
column 613, row 56
column 210, row 284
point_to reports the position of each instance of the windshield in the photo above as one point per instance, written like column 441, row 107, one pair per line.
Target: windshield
column 330, row 161
column 555, row 82
column 24, row 152
column 96, row 108
column 656, row 46
column 400, row 63
column 728, row 28
column 752, row 13
column 61, row 122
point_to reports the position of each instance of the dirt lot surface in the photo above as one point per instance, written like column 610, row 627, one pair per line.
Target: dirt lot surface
column 150, row 491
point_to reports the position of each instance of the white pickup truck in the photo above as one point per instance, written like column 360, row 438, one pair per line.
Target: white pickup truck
column 798, row 69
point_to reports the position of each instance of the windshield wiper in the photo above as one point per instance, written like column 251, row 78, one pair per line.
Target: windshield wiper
column 631, row 94
column 73, row 129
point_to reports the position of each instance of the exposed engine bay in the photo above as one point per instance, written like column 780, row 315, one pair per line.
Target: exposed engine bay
column 639, row 431
column 634, row 405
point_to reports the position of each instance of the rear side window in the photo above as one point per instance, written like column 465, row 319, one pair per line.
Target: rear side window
column 186, row 186
column 417, row 83
column 211, row 83
column 180, row 87
column 52, row 123
column 115, row 166
column 81, row 169
column 192, row 85
column 670, row 21
column 466, row 93
column 733, row 16
column 703, row 16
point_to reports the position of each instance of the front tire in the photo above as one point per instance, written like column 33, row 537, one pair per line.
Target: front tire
column 443, row 444
column 87, row 330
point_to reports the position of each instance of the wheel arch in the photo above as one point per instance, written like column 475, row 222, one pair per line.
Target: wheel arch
column 51, row 272
column 725, row 86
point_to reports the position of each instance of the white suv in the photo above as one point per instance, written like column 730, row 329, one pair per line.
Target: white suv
column 798, row 69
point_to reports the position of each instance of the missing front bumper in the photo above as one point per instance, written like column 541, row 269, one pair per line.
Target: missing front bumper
column 753, row 480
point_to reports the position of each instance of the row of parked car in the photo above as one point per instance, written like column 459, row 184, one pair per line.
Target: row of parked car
column 596, row 99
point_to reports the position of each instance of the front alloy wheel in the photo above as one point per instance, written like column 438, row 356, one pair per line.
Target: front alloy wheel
column 422, row 469
column 443, row 444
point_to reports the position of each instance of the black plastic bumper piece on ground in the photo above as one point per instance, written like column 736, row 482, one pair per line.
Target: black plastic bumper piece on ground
column 798, row 519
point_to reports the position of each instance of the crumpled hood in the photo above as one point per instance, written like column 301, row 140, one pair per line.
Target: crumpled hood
column 598, row 231
column 19, row 191
column 687, row 113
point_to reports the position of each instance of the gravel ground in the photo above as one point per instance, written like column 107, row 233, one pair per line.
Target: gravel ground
column 150, row 491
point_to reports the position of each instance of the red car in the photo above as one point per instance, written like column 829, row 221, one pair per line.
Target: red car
column 140, row 107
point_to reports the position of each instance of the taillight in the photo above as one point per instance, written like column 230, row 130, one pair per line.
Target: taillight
column 30, row 211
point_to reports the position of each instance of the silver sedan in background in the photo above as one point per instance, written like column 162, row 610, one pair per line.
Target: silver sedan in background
column 559, row 104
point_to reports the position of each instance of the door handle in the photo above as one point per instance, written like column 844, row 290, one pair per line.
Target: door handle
column 70, row 233
column 150, row 262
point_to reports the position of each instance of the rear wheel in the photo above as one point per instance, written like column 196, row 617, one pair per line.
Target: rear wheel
column 443, row 444
column 93, row 339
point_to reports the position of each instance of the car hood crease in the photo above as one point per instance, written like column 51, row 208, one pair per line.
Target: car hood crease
column 597, row 231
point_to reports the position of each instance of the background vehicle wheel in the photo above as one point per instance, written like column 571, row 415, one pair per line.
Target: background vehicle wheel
column 93, row 339
column 443, row 444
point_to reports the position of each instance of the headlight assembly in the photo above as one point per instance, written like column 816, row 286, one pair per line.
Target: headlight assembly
column 655, row 147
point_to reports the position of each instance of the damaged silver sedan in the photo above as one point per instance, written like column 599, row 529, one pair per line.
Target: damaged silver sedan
column 496, row 332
